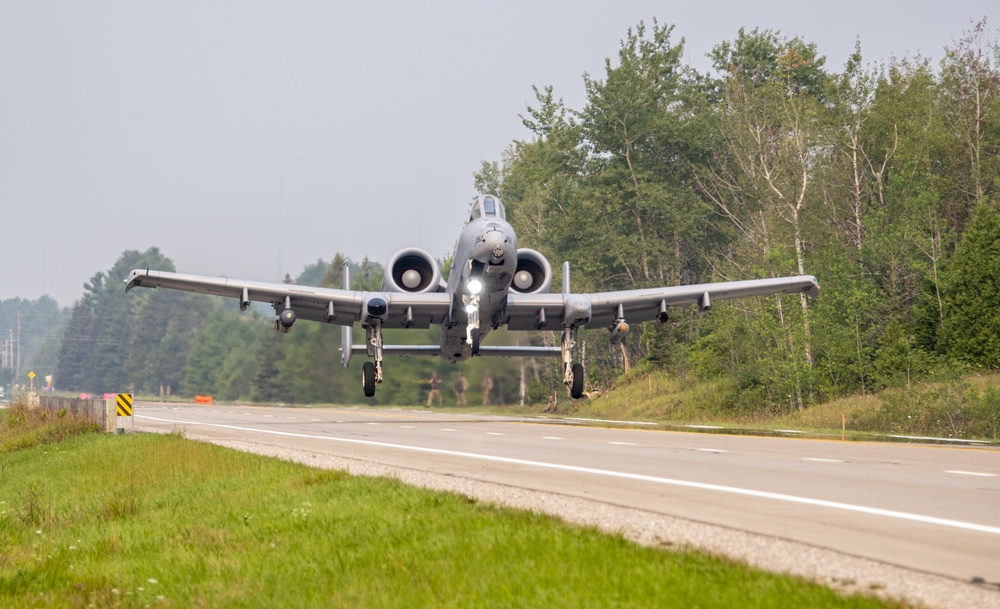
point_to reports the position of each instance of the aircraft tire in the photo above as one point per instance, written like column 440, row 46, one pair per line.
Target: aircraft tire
column 475, row 343
column 368, row 379
column 576, row 389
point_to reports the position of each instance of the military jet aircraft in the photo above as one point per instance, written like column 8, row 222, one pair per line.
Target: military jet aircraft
column 492, row 283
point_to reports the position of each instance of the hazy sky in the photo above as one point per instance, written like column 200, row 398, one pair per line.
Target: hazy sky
column 249, row 139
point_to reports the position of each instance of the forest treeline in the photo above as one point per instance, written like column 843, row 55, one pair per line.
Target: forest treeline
column 882, row 180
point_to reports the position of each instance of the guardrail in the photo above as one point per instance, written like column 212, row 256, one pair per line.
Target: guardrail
column 98, row 410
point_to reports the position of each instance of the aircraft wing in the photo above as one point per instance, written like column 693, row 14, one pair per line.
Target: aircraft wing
column 528, row 311
column 341, row 307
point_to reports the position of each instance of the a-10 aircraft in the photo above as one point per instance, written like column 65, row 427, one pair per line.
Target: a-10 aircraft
column 492, row 283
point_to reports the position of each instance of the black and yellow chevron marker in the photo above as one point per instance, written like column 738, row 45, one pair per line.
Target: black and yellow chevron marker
column 123, row 404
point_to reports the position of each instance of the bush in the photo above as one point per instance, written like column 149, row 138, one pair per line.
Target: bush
column 950, row 409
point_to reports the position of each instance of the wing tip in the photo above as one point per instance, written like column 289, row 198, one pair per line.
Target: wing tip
column 135, row 278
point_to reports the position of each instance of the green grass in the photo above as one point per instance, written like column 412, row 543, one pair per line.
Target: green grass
column 160, row 521
column 966, row 408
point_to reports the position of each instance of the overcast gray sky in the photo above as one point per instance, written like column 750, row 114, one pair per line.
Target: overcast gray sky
column 248, row 139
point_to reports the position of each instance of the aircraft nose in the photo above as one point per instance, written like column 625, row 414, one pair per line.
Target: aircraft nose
column 494, row 245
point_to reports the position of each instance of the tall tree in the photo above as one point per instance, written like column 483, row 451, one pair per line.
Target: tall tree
column 970, row 82
column 773, row 124
column 972, row 293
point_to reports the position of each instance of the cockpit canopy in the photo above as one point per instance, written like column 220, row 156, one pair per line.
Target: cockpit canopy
column 487, row 206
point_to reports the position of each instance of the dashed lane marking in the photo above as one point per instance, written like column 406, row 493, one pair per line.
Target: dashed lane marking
column 961, row 473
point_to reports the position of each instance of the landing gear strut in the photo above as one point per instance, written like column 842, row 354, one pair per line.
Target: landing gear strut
column 371, row 372
column 572, row 372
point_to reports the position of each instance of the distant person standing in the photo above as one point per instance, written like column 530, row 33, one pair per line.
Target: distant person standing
column 486, row 386
column 435, row 384
column 461, row 386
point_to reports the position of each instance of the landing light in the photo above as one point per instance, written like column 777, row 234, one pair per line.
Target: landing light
column 475, row 286
column 471, row 308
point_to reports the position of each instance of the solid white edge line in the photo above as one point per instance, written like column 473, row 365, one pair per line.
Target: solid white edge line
column 606, row 421
column 939, row 439
column 962, row 473
column 836, row 505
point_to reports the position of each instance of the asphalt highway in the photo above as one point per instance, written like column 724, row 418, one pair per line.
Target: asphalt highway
column 932, row 509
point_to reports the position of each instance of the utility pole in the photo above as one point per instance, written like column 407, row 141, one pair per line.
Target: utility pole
column 6, row 361
column 17, row 372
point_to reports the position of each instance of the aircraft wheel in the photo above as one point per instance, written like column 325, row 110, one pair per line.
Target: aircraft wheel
column 576, row 389
column 475, row 343
column 368, row 378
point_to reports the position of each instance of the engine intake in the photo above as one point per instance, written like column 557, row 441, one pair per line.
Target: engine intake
column 412, row 270
column 533, row 273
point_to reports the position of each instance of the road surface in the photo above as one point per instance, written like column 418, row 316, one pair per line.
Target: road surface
column 926, row 509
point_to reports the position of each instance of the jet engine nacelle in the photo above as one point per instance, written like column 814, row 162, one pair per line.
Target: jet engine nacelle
column 412, row 270
column 533, row 273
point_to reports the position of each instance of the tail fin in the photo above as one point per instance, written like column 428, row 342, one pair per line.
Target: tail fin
column 346, row 339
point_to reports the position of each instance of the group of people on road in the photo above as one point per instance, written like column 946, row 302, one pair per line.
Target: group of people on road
column 461, row 385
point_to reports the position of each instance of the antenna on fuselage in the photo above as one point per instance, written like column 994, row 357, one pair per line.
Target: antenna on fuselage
column 565, row 278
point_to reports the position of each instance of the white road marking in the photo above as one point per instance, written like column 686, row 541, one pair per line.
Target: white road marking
column 373, row 423
column 607, row 421
column 315, row 420
column 407, row 427
column 551, row 438
column 448, row 429
column 961, row 473
column 933, row 439
column 818, row 460
column 835, row 505
column 494, row 433
column 704, row 426
column 623, row 443
column 711, row 450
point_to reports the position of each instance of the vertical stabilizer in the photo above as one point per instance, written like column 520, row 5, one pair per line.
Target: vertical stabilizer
column 345, row 331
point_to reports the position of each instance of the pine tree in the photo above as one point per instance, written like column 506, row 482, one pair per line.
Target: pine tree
column 971, row 286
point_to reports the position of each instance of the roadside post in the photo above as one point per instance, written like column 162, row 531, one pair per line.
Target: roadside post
column 123, row 408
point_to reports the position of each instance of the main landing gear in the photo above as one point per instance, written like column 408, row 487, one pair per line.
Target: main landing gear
column 572, row 372
column 371, row 372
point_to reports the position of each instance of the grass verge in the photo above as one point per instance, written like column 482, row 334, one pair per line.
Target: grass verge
column 961, row 408
column 160, row 521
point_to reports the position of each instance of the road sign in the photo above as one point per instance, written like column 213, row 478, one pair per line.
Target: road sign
column 123, row 404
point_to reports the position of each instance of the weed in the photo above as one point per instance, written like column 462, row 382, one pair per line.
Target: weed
column 123, row 502
column 34, row 511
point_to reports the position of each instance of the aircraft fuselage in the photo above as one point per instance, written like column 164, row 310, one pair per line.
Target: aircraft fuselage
column 487, row 253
